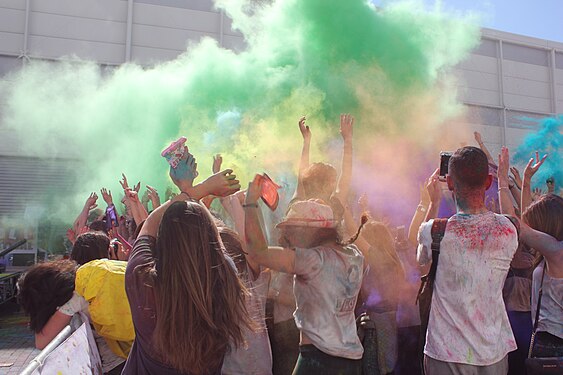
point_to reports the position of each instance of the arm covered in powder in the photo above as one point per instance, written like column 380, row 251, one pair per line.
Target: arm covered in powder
column 346, row 130
column 304, row 161
column 276, row 258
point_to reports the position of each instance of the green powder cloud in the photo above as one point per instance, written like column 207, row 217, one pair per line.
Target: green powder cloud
column 389, row 67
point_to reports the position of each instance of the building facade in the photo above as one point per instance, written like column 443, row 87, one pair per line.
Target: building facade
column 506, row 81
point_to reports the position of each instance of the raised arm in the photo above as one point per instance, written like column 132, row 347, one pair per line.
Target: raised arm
column 482, row 146
column 82, row 218
column 529, row 172
column 276, row 258
column 220, row 184
column 153, row 197
column 347, row 131
column 504, row 199
column 430, row 184
column 304, row 161
column 548, row 246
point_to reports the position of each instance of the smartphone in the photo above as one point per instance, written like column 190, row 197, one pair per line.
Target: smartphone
column 111, row 218
column 175, row 152
column 444, row 161
column 269, row 192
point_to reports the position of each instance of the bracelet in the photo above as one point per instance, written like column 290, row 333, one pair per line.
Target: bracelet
column 189, row 196
column 421, row 208
column 250, row 205
column 503, row 187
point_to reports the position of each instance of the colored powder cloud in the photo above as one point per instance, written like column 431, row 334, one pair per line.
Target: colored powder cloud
column 546, row 140
column 390, row 68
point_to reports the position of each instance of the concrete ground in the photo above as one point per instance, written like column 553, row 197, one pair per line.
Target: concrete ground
column 17, row 346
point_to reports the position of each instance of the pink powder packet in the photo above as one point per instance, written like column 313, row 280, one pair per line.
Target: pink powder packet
column 175, row 152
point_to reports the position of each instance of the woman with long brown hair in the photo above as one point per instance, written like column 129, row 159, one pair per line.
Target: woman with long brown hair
column 546, row 215
column 381, row 289
column 186, row 300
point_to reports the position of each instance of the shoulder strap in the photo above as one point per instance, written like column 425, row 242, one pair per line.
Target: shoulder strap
column 536, row 319
column 437, row 233
column 540, row 293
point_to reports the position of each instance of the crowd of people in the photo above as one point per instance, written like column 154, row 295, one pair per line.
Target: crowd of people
column 202, row 282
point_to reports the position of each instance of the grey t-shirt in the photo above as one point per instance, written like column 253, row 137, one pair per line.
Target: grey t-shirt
column 551, row 310
column 326, row 288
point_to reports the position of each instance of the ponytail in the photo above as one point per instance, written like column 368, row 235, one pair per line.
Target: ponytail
column 353, row 239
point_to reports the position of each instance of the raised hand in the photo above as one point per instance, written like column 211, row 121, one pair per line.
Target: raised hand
column 185, row 172
column 346, row 126
column 433, row 187
column 537, row 193
column 153, row 196
column 478, row 137
column 222, row 184
column 132, row 195
column 137, row 187
column 91, row 201
column 503, row 167
column 532, row 168
column 145, row 198
column 304, row 129
column 217, row 162
column 123, row 182
column 424, row 196
column 254, row 190
column 516, row 177
column 106, row 195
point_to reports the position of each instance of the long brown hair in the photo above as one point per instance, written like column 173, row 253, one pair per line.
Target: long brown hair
column 200, row 308
column 378, row 235
column 546, row 215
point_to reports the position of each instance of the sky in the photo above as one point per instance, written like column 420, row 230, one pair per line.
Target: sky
column 539, row 19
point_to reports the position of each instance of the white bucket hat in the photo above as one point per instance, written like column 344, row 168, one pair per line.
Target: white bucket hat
column 310, row 213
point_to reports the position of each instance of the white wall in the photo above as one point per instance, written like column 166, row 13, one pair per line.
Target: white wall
column 508, row 80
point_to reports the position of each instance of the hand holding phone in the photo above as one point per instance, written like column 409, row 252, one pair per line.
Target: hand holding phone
column 444, row 161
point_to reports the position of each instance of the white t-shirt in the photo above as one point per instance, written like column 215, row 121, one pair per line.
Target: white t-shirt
column 468, row 321
column 255, row 358
column 326, row 288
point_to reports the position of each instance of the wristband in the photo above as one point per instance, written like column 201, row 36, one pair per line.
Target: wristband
column 187, row 195
column 245, row 205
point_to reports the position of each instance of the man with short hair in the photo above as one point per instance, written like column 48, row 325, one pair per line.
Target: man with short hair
column 468, row 329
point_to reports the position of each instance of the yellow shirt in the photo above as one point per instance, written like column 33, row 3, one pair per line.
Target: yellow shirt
column 102, row 283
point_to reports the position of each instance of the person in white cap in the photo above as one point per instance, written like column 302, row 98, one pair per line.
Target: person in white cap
column 328, row 275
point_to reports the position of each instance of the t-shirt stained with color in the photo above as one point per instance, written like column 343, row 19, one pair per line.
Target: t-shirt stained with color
column 326, row 287
column 468, row 320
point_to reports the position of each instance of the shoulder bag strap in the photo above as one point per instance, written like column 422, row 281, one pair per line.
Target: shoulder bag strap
column 437, row 232
column 540, row 293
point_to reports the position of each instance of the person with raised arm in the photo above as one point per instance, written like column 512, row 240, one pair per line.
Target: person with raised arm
column 326, row 286
column 479, row 140
column 468, row 327
column 80, row 224
column 531, row 168
column 541, row 228
column 320, row 180
column 186, row 300
column 430, row 197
